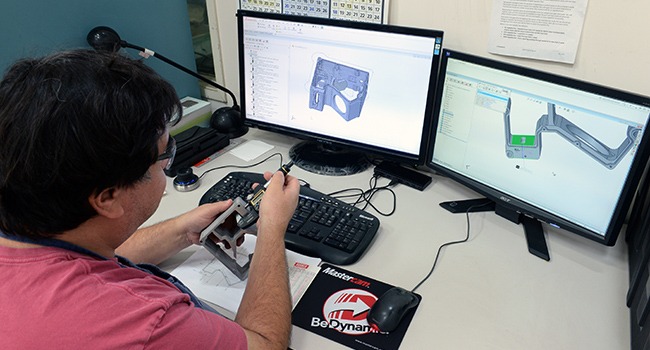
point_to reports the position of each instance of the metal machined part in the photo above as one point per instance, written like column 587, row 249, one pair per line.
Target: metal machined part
column 330, row 85
column 519, row 146
column 224, row 228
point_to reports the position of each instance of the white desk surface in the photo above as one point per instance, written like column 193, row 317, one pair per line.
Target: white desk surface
column 488, row 293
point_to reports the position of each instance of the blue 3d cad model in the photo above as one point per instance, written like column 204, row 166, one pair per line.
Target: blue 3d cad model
column 341, row 87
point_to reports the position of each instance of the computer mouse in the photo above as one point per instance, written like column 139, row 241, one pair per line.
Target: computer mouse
column 389, row 310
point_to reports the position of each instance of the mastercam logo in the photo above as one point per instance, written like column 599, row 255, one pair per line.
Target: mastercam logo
column 346, row 311
column 342, row 275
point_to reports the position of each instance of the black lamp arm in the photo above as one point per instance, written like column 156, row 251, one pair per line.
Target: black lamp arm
column 226, row 120
column 148, row 52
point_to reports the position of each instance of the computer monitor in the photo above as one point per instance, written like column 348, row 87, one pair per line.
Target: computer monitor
column 350, row 89
column 540, row 147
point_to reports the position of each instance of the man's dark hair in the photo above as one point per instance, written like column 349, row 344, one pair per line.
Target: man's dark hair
column 73, row 124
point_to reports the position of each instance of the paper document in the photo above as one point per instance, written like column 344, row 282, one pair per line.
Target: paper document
column 210, row 280
column 542, row 29
column 251, row 149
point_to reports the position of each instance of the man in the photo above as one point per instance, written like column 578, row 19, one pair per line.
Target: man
column 84, row 140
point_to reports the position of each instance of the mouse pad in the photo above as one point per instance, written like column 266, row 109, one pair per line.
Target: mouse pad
column 336, row 304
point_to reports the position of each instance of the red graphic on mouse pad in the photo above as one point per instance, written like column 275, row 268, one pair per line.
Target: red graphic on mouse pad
column 336, row 305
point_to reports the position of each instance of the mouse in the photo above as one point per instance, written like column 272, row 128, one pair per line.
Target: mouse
column 389, row 310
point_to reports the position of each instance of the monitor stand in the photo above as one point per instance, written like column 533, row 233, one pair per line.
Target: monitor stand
column 324, row 159
column 535, row 237
column 532, row 227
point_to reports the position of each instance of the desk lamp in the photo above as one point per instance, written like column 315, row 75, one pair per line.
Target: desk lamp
column 226, row 120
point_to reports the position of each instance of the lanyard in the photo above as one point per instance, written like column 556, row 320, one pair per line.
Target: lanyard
column 122, row 262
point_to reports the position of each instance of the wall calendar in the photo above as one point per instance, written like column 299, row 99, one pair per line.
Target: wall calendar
column 373, row 11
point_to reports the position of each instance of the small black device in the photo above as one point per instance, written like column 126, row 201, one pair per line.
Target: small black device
column 391, row 307
column 469, row 205
column 186, row 180
column 408, row 177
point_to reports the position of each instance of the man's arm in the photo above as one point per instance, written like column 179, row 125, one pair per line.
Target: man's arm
column 158, row 242
column 265, row 309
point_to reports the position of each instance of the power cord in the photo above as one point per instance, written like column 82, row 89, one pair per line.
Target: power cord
column 449, row 244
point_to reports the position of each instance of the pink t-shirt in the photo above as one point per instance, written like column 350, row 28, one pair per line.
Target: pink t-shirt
column 54, row 298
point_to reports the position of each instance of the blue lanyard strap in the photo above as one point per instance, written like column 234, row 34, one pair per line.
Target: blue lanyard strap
column 53, row 242
column 156, row 271
column 122, row 261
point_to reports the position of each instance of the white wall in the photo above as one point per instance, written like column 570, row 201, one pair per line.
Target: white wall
column 614, row 48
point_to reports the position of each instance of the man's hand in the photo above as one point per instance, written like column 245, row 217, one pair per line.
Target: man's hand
column 280, row 200
column 195, row 220
column 158, row 242
column 267, row 320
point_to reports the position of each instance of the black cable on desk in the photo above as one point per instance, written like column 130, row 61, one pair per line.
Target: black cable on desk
column 244, row 166
column 362, row 197
column 365, row 196
column 449, row 244
column 374, row 189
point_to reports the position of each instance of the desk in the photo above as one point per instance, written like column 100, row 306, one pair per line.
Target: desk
column 488, row 293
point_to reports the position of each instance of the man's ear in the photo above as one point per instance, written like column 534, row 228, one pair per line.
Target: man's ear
column 106, row 203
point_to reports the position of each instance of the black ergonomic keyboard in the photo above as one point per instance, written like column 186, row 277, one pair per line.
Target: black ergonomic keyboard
column 322, row 226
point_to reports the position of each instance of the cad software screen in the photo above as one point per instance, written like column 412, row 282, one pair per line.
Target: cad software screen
column 566, row 151
column 356, row 85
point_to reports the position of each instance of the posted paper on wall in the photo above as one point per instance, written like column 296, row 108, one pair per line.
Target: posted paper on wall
column 539, row 29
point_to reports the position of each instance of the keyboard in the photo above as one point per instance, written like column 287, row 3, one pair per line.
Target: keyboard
column 321, row 226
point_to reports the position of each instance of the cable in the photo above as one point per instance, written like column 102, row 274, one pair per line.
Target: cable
column 342, row 197
column 365, row 196
column 449, row 244
column 243, row 166
column 362, row 197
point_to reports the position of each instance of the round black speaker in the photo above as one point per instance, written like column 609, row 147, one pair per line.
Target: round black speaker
column 228, row 120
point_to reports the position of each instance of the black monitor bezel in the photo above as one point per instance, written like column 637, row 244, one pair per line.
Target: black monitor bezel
column 375, row 151
column 524, row 208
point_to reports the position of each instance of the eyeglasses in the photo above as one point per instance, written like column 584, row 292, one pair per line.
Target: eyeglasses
column 169, row 153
